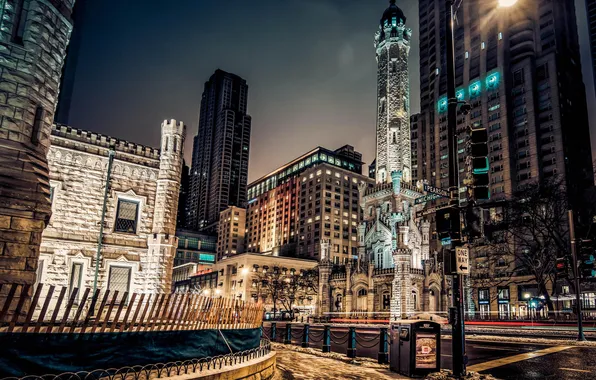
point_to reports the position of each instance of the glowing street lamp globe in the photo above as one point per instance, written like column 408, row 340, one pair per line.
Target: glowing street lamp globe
column 507, row 3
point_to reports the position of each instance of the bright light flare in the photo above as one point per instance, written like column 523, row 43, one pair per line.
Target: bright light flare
column 507, row 3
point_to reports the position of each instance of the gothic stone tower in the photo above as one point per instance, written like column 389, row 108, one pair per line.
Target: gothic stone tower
column 392, row 44
column 163, row 242
column 401, row 300
column 34, row 35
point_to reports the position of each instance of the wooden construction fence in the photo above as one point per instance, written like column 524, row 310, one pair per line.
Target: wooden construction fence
column 52, row 309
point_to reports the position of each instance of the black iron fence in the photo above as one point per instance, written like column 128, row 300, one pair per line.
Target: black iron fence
column 354, row 341
column 160, row 370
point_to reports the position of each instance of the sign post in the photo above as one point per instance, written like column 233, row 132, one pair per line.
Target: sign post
column 462, row 260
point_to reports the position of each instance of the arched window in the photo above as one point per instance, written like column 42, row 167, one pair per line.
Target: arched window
column 362, row 292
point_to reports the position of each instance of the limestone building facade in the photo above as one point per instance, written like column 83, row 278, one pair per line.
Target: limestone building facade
column 392, row 44
column 231, row 230
column 34, row 35
column 393, row 272
column 138, row 242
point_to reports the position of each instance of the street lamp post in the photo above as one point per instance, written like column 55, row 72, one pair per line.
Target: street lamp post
column 457, row 323
column 457, row 312
column 580, row 328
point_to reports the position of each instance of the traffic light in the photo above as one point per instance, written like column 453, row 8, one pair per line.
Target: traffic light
column 474, row 222
column 480, row 163
column 448, row 224
column 536, row 303
column 587, row 263
column 562, row 267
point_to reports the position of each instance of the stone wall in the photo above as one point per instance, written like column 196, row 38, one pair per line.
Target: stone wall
column 78, row 162
column 34, row 35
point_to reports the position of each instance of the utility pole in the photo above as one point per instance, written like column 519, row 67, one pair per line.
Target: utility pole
column 457, row 312
column 103, row 216
column 580, row 327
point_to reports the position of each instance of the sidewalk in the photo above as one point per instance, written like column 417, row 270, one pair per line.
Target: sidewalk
column 298, row 365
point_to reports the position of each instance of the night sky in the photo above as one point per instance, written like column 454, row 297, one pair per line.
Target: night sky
column 310, row 66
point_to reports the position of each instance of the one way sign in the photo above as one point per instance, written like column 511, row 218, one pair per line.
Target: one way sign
column 462, row 260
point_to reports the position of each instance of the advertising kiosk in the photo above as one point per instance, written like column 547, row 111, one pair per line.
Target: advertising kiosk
column 415, row 348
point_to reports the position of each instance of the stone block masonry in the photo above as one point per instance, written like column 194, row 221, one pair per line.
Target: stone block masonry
column 143, row 195
column 34, row 35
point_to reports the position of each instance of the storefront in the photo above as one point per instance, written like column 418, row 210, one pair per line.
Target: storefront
column 529, row 305
column 503, row 300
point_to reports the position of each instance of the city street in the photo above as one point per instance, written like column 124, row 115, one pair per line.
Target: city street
column 504, row 360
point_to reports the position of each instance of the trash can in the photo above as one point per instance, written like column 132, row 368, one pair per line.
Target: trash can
column 415, row 348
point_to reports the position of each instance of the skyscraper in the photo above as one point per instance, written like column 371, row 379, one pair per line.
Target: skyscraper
column 219, row 170
column 519, row 69
column 591, row 12
column 69, row 71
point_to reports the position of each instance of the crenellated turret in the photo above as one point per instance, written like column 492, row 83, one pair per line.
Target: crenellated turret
column 163, row 242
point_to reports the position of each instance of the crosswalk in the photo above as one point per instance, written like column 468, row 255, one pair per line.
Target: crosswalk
column 516, row 358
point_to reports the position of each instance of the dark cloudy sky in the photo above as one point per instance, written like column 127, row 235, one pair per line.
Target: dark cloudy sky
column 310, row 66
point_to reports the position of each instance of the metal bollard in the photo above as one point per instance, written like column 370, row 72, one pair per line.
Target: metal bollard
column 305, row 336
column 288, row 339
column 383, row 346
column 273, row 331
column 327, row 339
column 352, row 343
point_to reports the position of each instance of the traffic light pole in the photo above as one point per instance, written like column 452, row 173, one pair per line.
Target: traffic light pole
column 580, row 327
column 458, row 325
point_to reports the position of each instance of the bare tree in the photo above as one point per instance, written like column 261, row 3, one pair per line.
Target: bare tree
column 285, row 286
column 524, row 240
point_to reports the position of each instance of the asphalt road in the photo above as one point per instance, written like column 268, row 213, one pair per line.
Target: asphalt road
column 503, row 360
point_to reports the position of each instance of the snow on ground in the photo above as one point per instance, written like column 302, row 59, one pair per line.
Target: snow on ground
column 297, row 363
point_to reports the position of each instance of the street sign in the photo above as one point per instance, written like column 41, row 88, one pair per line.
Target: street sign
column 436, row 190
column 426, row 198
column 462, row 260
column 431, row 210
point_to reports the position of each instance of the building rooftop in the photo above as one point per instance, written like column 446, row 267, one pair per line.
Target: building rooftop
column 345, row 157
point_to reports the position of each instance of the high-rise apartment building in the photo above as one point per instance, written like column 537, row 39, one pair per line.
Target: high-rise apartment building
column 519, row 68
column 415, row 141
column 231, row 231
column 591, row 13
column 310, row 199
column 69, row 72
column 219, row 171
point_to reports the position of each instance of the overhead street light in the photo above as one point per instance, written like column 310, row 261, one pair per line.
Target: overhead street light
column 507, row 3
